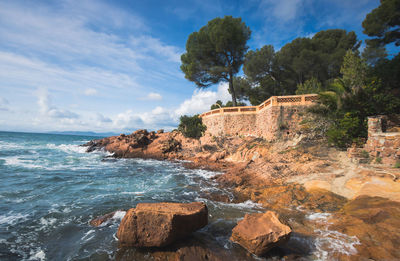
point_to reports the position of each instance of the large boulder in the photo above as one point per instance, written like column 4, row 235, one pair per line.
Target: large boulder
column 160, row 224
column 260, row 232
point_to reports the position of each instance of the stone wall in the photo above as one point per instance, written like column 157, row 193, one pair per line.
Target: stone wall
column 278, row 117
column 384, row 138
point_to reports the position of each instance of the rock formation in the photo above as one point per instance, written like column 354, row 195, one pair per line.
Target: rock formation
column 100, row 220
column 160, row 224
column 260, row 232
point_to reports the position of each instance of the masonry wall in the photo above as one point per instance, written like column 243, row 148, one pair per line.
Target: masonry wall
column 270, row 123
column 384, row 138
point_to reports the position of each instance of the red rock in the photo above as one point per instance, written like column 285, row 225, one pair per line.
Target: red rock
column 260, row 232
column 160, row 224
column 100, row 220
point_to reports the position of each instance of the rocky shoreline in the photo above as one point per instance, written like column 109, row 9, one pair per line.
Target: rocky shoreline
column 294, row 178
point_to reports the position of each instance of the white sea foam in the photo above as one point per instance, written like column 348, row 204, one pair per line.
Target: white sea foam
column 38, row 255
column 12, row 219
column 319, row 217
column 119, row 215
column 10, row 145
column 68, row 148
column 88, row 235
column 329, row 242
column 206, row 173
column 20, row 162
column 133, row 192
column 47, row 222
column 248, row 204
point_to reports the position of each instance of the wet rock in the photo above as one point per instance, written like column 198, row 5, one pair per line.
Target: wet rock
column 160, row 224
column 260, row 232
column 103, row 219
column 100, row 220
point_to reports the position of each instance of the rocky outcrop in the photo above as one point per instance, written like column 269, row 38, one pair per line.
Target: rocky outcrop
column 260, row 232
column 102, row 219
column 160, row 224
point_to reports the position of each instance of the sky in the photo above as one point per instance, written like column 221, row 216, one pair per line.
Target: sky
column 114, row 66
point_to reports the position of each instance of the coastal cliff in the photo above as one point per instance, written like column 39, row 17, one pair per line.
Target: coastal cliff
column 292, row 177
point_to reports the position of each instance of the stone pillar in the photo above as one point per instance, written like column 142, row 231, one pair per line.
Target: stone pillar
column 374, row 125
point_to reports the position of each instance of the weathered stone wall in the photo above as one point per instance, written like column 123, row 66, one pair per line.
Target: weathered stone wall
column 270, row 123
column 230, row 124
column 275, row 118
column 384, row 139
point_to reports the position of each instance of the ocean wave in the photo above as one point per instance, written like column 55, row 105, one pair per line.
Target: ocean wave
column 329, row 242
column 88, row 236
column 37, row 254
column 319, row 217
column 119, row 215
column 4, row 145
column 67, row 148
column 12, row 219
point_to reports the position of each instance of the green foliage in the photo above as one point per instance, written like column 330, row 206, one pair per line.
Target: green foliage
column 353, row 71
column 373, row 55
column 378, row 160
column 228, row 104
column 383, row 23
column 345, row 131
column 397, row 164
column 216, row 52
column 301, row 62
column 362, row 91
column 218, row 104
column 364, row 154
column 320, row 57
column 309, row 86
column 191, row 126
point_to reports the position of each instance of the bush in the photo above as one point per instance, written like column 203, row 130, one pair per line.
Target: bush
column 397, row 164
column 378, row 160
column 191, row 126
column 309, row 86
column 347, row 131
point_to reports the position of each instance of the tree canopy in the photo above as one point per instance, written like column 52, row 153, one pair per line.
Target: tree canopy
column 216, row 52
column 318, row 59
column 383, row 23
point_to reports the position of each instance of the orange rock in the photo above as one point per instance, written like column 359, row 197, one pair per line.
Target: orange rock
column 160, row 224
column 100, row 220
column 258, row 233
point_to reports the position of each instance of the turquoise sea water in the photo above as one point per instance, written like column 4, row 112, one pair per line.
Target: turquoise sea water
column 50, row 189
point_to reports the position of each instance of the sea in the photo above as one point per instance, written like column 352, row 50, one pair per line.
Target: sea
column 50, row 189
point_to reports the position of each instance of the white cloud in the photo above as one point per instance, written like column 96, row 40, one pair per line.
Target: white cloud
column 147, row 44
column 284, row 10
column 48, row 110
column 168, row 119
column 103, row 119
column 4, row 104
column 152, row 96
column 90, row 92
column 202, row 100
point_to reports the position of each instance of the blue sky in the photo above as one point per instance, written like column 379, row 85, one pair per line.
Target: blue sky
column 114, row 65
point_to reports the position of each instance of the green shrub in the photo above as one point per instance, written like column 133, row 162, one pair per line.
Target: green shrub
column 397, row 164
column 364, row 154
column 191, row 126
column 378, row 160
column 346, row 131
column 309, row 86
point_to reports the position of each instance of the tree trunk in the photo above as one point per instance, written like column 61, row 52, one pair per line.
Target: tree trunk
column 231, row 89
